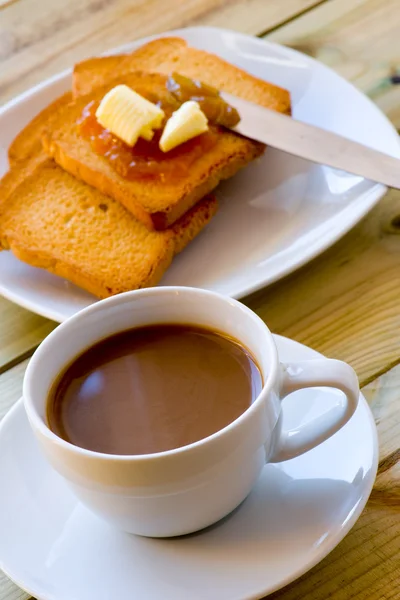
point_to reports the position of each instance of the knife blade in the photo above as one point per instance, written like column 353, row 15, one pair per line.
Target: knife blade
column 312, row 143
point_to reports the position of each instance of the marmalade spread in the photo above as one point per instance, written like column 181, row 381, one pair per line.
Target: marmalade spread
column 213, row 106
column 145, row 160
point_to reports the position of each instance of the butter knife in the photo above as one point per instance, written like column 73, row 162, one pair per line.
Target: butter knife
column 312, row 143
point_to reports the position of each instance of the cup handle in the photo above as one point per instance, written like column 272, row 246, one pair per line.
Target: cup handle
column 323, row 372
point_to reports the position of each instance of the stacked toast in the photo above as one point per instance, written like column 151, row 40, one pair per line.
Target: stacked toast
column 64, row 208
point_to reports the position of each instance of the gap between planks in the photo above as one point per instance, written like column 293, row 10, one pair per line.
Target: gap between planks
column 294, row 17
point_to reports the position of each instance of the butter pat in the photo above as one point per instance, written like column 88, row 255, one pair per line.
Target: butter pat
column 186, row 123
column 128, row 115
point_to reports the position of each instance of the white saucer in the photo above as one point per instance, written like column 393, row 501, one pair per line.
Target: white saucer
column 299, row 511
column 275, row 215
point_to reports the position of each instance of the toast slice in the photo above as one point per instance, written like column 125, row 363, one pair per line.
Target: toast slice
column 157, row 202
column 168, row 54
column 28, row 143
column 17, row 174
column 54, row 221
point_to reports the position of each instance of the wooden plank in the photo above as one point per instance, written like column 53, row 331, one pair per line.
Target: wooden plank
column 9, row 591
column 366, row 564
column 359, row 39
column 20, row 332
column 383, row 396
column 11, row 388
column 58, row 34
column 388, row 100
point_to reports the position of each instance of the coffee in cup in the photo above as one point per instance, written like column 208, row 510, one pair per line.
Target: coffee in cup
column 152, row 389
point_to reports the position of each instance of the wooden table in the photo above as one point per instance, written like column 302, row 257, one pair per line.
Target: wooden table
column 346, row 303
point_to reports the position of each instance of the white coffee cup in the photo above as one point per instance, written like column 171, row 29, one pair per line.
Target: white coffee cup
column 180, row 491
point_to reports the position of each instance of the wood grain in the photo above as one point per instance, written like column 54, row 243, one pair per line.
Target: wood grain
column 20, row 332
column 383, row 396
column 58, row 34
column 9, row 591
column 11, row 388
column 359, row 39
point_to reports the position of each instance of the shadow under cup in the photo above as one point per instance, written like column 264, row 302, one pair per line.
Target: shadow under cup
column 178, row 491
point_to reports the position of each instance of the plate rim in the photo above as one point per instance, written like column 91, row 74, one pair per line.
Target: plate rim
column 336, row 538
column 339, row 227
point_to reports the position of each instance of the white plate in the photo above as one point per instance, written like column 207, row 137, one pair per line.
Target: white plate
column 275, row 215
column 298, row 512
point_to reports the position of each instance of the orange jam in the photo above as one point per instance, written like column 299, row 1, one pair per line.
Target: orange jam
column 145, row 160
column 213, row 106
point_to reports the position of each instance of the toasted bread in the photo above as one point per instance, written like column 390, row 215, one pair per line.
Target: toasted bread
column 54, row 221
column 13, row 178
column 168, row 54
column 28, row 142
column 158, row 203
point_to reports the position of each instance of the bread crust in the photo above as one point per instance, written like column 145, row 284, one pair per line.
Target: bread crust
column 53, row 221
